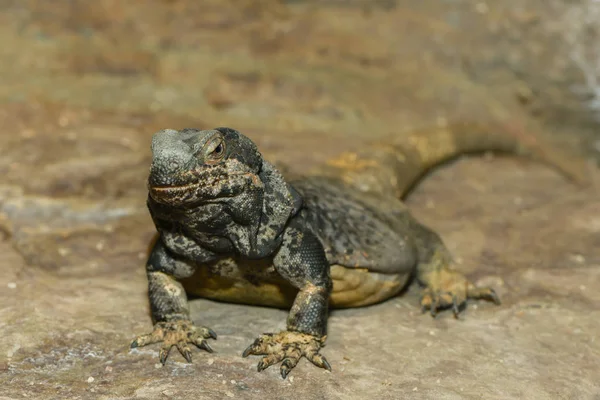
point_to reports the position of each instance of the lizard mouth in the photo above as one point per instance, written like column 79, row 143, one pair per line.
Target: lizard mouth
column 188, row 193
column 167, row 189
column 173, row 194
column 173, row 189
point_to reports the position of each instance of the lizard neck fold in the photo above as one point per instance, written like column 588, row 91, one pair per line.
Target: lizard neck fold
column 249, row 224
column 280, row 203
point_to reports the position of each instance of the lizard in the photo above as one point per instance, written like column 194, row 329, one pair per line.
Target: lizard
column 231, row 228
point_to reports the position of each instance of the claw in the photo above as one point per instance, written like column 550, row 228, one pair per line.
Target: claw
column 256, row 348
column 484, row 293
column 326, row 364
column 203, row 345
column 425, row 303
column 455, row 308
column 185, row 351
column 146, row 339
column 262, row 366
column 318, row 360
column 187, row 354
column 248, row 351
column 287, row 365
column 434, row 306
column 164, row 354
column 494, row 297
column 212, row 333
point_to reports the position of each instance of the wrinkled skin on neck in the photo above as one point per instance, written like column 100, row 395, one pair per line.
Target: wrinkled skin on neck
column 214, row 189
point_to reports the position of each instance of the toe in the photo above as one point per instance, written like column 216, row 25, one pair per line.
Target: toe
column 147, row 339
column 287, row 365
column 163, row 354
column 207, row 333
column 426, row 301
column 140, row 341
column 255, row 348
column 185, row 351
column 273, row 358
column 318, row 360
column 492, row 296
column 203, row 345
column 259, row 347
column 434, row 306
column 269, row 360
column 484, row 293
column 455, row 306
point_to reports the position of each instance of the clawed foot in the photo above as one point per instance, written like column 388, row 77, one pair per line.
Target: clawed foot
column 288, row 347
column 450, row 289
column 179, row 333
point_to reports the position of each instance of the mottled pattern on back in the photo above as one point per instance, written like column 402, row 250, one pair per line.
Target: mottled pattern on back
column 356, row 229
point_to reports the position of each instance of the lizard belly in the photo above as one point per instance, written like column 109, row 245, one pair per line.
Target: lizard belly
column 356, row 287
column 352, row 287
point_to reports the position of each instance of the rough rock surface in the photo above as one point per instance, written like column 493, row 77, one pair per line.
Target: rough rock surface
column 84, row 85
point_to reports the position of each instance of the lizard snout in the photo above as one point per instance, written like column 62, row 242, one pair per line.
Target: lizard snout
column 172, row 158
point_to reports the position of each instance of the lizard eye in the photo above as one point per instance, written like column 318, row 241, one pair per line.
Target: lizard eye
column 215, row 150
column 219, row 150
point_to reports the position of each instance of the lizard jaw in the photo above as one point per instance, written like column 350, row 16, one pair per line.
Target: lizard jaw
column 174, row 189
column 189, row 193
column 173, row 194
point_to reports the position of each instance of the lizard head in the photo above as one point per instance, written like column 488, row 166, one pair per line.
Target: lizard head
column 191, row 166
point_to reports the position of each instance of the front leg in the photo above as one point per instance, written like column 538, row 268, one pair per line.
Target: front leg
column 301, row 261
column 169, row 307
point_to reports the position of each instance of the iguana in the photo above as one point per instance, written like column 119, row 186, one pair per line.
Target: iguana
column 231, row 228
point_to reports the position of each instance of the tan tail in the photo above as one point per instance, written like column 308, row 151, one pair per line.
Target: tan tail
column 395, row 166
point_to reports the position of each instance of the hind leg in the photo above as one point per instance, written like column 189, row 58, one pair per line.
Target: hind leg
column 444, row 288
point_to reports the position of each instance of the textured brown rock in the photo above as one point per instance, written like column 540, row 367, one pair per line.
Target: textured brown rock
column 84, row 86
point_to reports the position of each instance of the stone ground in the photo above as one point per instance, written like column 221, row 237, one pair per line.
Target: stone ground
column 83, row 87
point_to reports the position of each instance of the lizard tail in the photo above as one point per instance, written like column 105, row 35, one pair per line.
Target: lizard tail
column 395, row 167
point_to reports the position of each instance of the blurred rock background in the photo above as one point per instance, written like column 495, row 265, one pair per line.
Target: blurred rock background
column 83, row 85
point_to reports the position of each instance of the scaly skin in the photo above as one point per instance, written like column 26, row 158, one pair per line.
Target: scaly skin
column 231, row 228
